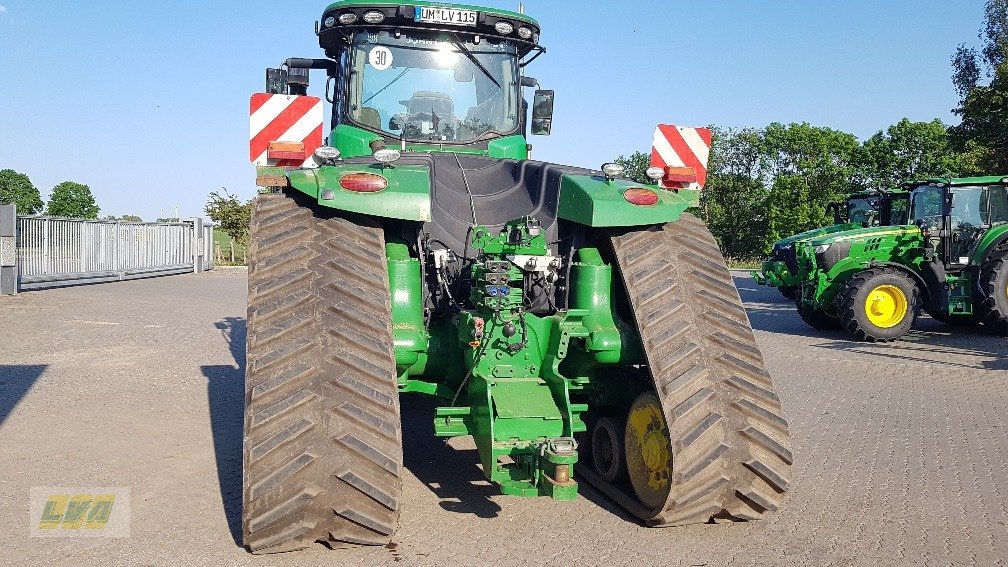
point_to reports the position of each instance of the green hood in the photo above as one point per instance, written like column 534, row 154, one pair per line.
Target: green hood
column 862, row 234
column 815, row 232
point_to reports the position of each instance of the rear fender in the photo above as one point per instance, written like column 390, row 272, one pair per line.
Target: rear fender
column 932, row 293
column 406, row 197
column 593, row 200
column 996, row 237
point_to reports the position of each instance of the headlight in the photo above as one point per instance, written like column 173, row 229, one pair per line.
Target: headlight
column 374, row 17
column 612, row 169
column 329, row 22
column 524, row 32
column 504, row 28
column 326, row 153
column 655, row 173
column 821, row 249
column 386, row 155
column 347, row 18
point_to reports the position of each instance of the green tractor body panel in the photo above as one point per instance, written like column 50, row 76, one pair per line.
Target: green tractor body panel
column 588, row 200
column 828, row 261
column 775, row 270
column 407, row 196
column 596, row 201
column 956, row 223
column 780, row 269
column 991, row 240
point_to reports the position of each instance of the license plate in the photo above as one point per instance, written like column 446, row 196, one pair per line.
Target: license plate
column 445, row 16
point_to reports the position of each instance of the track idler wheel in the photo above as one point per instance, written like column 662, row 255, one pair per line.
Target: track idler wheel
column 607, row 449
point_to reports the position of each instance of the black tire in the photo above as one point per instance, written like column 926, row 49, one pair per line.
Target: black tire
column 852, row 304
column 994, row 283
column 817, row 318
column 607, row 450
column 323, row 444
column 729, row 443
column 790, row 291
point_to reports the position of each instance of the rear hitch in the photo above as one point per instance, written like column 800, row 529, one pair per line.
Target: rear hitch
column 556, row 468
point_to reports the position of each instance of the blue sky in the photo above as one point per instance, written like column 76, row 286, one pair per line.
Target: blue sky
column 148, row 102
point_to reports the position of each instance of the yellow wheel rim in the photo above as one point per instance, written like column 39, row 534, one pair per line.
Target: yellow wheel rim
column 649, row 451
column 886, row 306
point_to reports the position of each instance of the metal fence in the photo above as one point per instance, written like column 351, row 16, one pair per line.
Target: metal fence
column 55, row 251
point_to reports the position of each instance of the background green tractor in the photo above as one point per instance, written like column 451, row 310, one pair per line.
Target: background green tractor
column 575, row 324
column 858, row 210
column 952, row 263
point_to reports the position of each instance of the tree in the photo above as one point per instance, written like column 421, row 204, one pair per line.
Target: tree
column 70, row 199
column 733, row 203
column 18, row 189
column 983, row 108
column 131, row 218
column 985, row 123
column 909, row 151
column 231, row 216
column 635, row 166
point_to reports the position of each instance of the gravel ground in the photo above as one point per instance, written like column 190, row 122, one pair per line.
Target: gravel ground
column 900, row 449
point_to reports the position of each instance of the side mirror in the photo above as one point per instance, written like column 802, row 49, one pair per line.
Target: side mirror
column 529, row 82
column 396, row 122
column 276, row 81
column 542, row 113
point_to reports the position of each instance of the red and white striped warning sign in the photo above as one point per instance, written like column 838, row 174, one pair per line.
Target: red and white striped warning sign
column 284, row 130
column 683, row 153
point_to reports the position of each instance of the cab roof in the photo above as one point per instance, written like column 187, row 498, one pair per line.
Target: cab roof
column 399, row 16
column 957, row 181
column 425, row 3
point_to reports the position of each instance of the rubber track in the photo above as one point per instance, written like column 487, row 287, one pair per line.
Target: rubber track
column 323, row 442
column 731, row 445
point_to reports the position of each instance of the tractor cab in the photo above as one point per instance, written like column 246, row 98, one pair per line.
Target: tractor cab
column 956, row 215
column 424, row 78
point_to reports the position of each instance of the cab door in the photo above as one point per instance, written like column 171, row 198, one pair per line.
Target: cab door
column 968, row 218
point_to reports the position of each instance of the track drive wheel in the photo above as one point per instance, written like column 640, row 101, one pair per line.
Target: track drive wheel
column 879, row 304
column 994, row 283
column 323, row 446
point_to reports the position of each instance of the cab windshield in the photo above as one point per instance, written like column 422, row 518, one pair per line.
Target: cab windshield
column 927, row 205
column 863, row 211
column 425, row 88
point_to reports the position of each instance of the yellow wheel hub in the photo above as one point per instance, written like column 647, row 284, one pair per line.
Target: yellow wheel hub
column 886, row 306
column 649, row 451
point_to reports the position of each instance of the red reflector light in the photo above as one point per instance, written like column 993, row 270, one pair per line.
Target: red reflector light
column 363, row 182
column 286, row 150
column 680, row 174
column 640, row 196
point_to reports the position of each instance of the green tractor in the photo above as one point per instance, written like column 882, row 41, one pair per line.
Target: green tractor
column 869, row 208
column 951, row 262
column 578, row 325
